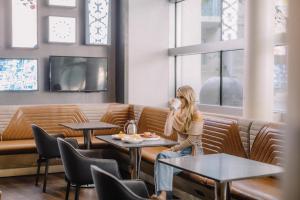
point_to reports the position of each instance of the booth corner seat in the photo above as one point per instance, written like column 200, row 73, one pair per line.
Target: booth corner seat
column 17, row 137
column 267, row 146
column 221, row 134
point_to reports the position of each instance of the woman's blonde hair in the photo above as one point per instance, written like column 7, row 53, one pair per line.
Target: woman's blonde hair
column 188, row 94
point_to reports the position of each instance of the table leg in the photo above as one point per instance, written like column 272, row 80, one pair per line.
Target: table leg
column 87, row 138
column 221, row 190
column 135, row 161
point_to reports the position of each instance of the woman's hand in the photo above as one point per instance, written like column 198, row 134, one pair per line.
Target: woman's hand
column 174, row 104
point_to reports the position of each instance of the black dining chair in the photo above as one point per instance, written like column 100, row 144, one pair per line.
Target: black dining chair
column 47, row 149
column 77, row 164
column 110, row 187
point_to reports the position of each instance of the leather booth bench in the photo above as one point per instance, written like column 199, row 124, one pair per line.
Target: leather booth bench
column 260, row 141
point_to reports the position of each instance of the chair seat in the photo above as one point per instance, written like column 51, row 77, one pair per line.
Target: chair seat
column 149, row 153
column 259, row 188
column 17, row 146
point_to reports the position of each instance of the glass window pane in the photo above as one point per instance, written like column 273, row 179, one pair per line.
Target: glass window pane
column 198, row 21
column 280, row 78
column 280, row 15
column 97, row 22
column 24, row 23
column 232, row 79
column 203, row 21
column 202, row 72
column 233, row 19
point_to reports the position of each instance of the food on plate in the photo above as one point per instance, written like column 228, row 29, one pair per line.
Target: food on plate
column 119, row 136
column 149, row 135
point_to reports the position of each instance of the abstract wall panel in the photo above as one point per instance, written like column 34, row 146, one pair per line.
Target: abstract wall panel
column 24, row 23
column 62, row 29
column 97, row 22
column 63, row 3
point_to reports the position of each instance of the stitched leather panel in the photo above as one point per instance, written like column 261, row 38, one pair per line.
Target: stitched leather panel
column 243, row 125
column 153, row 120
column 117, row 114
column 255, row 128
column 268, row 146
column 6, row 113
column 222, row 136
column 244, row 128
column 48, row 117
column 94, row 112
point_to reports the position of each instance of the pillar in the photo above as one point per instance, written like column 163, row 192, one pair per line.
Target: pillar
column 259, row 60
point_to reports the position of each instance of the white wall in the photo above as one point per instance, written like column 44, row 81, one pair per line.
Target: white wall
column 147, row 47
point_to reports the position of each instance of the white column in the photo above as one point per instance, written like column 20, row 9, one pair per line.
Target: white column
column 292, row 176
column 259, row 60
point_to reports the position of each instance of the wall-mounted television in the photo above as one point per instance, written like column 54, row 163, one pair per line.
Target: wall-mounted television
column 78, row 74
column 18, row 74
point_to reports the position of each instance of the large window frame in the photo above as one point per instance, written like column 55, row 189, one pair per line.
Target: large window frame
column 280, row 39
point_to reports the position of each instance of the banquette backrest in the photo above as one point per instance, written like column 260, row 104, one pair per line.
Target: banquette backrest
column 222, row 136
column 268, row 144
column 47, row 117
column 117, row 114
column 153, row 120
column 15, row 121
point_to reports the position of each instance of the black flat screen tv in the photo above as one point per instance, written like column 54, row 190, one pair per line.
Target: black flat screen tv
column 78, row 74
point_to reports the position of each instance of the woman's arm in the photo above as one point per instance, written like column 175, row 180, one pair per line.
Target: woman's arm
column 169, row 123
column 194, row 135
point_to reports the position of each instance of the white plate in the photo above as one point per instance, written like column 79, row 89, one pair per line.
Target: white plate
column 132, row 141
column 151, row 139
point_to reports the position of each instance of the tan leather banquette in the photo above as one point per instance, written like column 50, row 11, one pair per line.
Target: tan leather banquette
column 17, row 136
column 260, row 141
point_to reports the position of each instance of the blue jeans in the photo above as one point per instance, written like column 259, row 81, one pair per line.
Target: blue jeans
column 163, row 174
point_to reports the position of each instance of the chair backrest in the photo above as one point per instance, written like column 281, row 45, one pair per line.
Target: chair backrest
column 73, row 163
column 154, row 120
column 222, row 136
column 46, row 145
column 108, row 187
column 268, row 146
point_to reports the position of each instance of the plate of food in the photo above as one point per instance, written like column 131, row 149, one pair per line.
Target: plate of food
column 150, row 136
column 119, row 136
column 134, row 139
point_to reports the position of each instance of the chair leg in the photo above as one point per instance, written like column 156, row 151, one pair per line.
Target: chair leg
column 68, row 190
column 77, row 192
column 46, row 175
column 38, row 171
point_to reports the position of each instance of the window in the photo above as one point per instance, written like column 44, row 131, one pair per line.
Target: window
column 204, row 21
column 280, row 16
column 209, row 50
column 232, row 78
column 215, row 82
column 202, row 72
column 280, row 78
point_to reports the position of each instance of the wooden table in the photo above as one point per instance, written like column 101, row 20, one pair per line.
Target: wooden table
column 87, row 128
column 223, row 168
column 135, row 150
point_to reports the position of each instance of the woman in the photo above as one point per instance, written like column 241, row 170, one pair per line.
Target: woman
column 187, row 123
